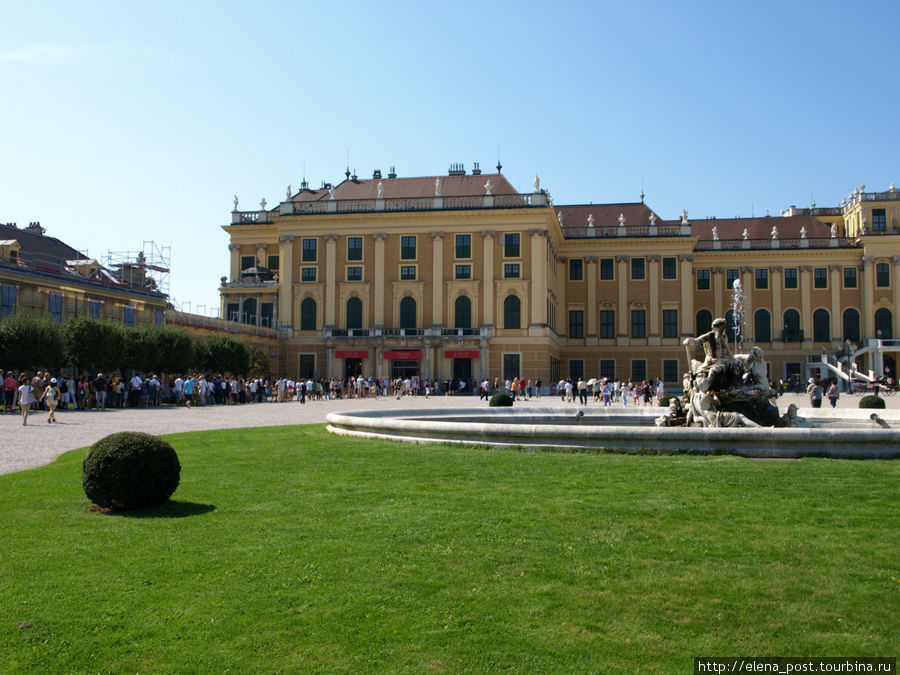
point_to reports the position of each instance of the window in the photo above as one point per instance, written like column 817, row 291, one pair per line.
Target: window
column 670, row 268
column 248, row 313
column 762, row 278
column 247, row 261
column 790, row 277
column 637, row 269
column 820, row 277
column 851, row 325
column 670, row 370
column 54, row 305
column 607, row 268
column 762, row 326
column 354, row 313
column 704, row 321
column 308, row 250
column 511, row 245
column 638, row 370
column 354, row 273
column 792, row 332
column 462, row 312
column 408, row 272
column 576, row 269
column 95, row 309
column 464, row 246
column 731, row 275
column 128, row 316
column 408, row 312
column 702, row 280
column 883, row 324
column 576, row 324
column 307, row 366
column 879, row 220
column 354, row 248
column 638, row 323
column 159, row 317
column 272, row 262
column 308, row 314
column 266, row 314
column 576, row 369
column 670, row 323
column 608, row 369
column 821, row 326
column 850, row 277
column 8, row 296
column 882, row 275
column 407, row 247
column 463, row 271
column 307, row 274
column 232, row 310
column 607, row 323
column 512, row 308
column 511, row 366
column 511, row 271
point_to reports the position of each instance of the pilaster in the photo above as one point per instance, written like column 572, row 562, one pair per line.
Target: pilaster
column 591, row 276
column 330, row 278
column 437, row 278
column 380, row 275
column 653, row 310
column 868, row 297
column 285, row 279
column 687, row 294
column 235, row 253
column 488, row 277
column 624, row 308
column 806, row 323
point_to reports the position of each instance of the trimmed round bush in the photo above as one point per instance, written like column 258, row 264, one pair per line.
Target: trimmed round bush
column 871, row 401
column 501, row 400
column 130, row 470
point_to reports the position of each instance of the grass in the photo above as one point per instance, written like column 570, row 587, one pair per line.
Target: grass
column 289, row 549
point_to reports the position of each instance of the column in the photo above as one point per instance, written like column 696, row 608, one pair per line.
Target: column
column 437, row 280
column 867, row 329
column 591, row 272
column 484, row 346
column 488, row 277
column 538, row 294
column 285, row 279
column 896, row 299
column 331, row 279
column 806, row 303
column 836, row 322
column 777, row 311
column 379, row 274
column 718, row 285
column 235, row 251
column 687, row 295
column 747, row 283
column 653, row 309
column 622, row 283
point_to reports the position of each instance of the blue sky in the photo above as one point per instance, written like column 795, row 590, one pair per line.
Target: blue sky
column 123, row 122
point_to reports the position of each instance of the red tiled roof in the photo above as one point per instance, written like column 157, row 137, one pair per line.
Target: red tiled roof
column 404, row 188
column 605, row 215
column 760, row 228
column 33, row 242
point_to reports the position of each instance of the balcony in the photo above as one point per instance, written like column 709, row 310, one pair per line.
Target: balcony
column 436, row 332
column 792, row 335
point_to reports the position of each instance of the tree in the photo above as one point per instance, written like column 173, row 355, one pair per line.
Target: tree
column 176, row 350
column 92, row 345
column 28, row 342
column 227, row 355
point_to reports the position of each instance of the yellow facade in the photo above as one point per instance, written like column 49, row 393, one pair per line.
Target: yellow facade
column 444, row 276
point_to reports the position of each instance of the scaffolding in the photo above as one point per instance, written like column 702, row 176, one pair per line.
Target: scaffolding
column 148, row 268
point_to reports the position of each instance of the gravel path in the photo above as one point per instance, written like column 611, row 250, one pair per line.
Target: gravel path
column 39, row 443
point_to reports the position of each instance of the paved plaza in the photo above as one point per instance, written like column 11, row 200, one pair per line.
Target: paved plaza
column 39, row 443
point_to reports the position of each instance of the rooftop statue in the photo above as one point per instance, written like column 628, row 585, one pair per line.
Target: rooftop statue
column 288, row 194
column 684, row 220
column 437, row 186
column 537, row 184
column 488, row 187
column 235, row 203
column 380, row 190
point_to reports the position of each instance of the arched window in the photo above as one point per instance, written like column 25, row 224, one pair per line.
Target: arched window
column 308, row 314
column 248, row 311
column 704, row 321
column 851, row 325
column 462, row 315
column 408, row 312
column 512, row 311
column 792, row 326
column 884, row 324
column 762, row 326
column 821, row 326
column 354, row 313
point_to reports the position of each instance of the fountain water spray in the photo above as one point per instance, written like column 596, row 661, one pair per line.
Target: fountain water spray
column 737, row 309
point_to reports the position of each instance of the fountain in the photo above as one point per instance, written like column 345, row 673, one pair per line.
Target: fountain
column 727, row 407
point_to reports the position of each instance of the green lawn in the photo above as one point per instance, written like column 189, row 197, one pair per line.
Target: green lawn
column 290, row 549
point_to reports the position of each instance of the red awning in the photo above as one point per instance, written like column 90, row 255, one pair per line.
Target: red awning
column 462, row 354
column 398, row 355
column 358, row 354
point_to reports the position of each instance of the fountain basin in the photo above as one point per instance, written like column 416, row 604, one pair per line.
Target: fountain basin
column 851, row 435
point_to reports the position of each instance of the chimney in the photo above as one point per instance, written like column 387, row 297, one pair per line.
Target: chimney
column 457, row 169
column 476, row 171
column 392, row 173
column 376, row 173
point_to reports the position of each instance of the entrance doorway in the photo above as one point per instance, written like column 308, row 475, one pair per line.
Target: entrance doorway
column 352, row 368
column 462, row 369
column 404, row 369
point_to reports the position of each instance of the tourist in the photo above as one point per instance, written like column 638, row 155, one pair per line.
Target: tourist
column 188, row 385
column 606, row 392
column 26, row 397
column 833, row 394
column 569, row 389
column 660, row 391
column 51, row 396
column 815, row 392
column 9, row 391
column 582, row 391
column 100, row 386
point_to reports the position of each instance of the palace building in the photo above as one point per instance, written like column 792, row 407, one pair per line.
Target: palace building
column 460, row 275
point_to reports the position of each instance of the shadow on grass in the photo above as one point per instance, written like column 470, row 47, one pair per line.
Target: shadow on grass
column 171, row 509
